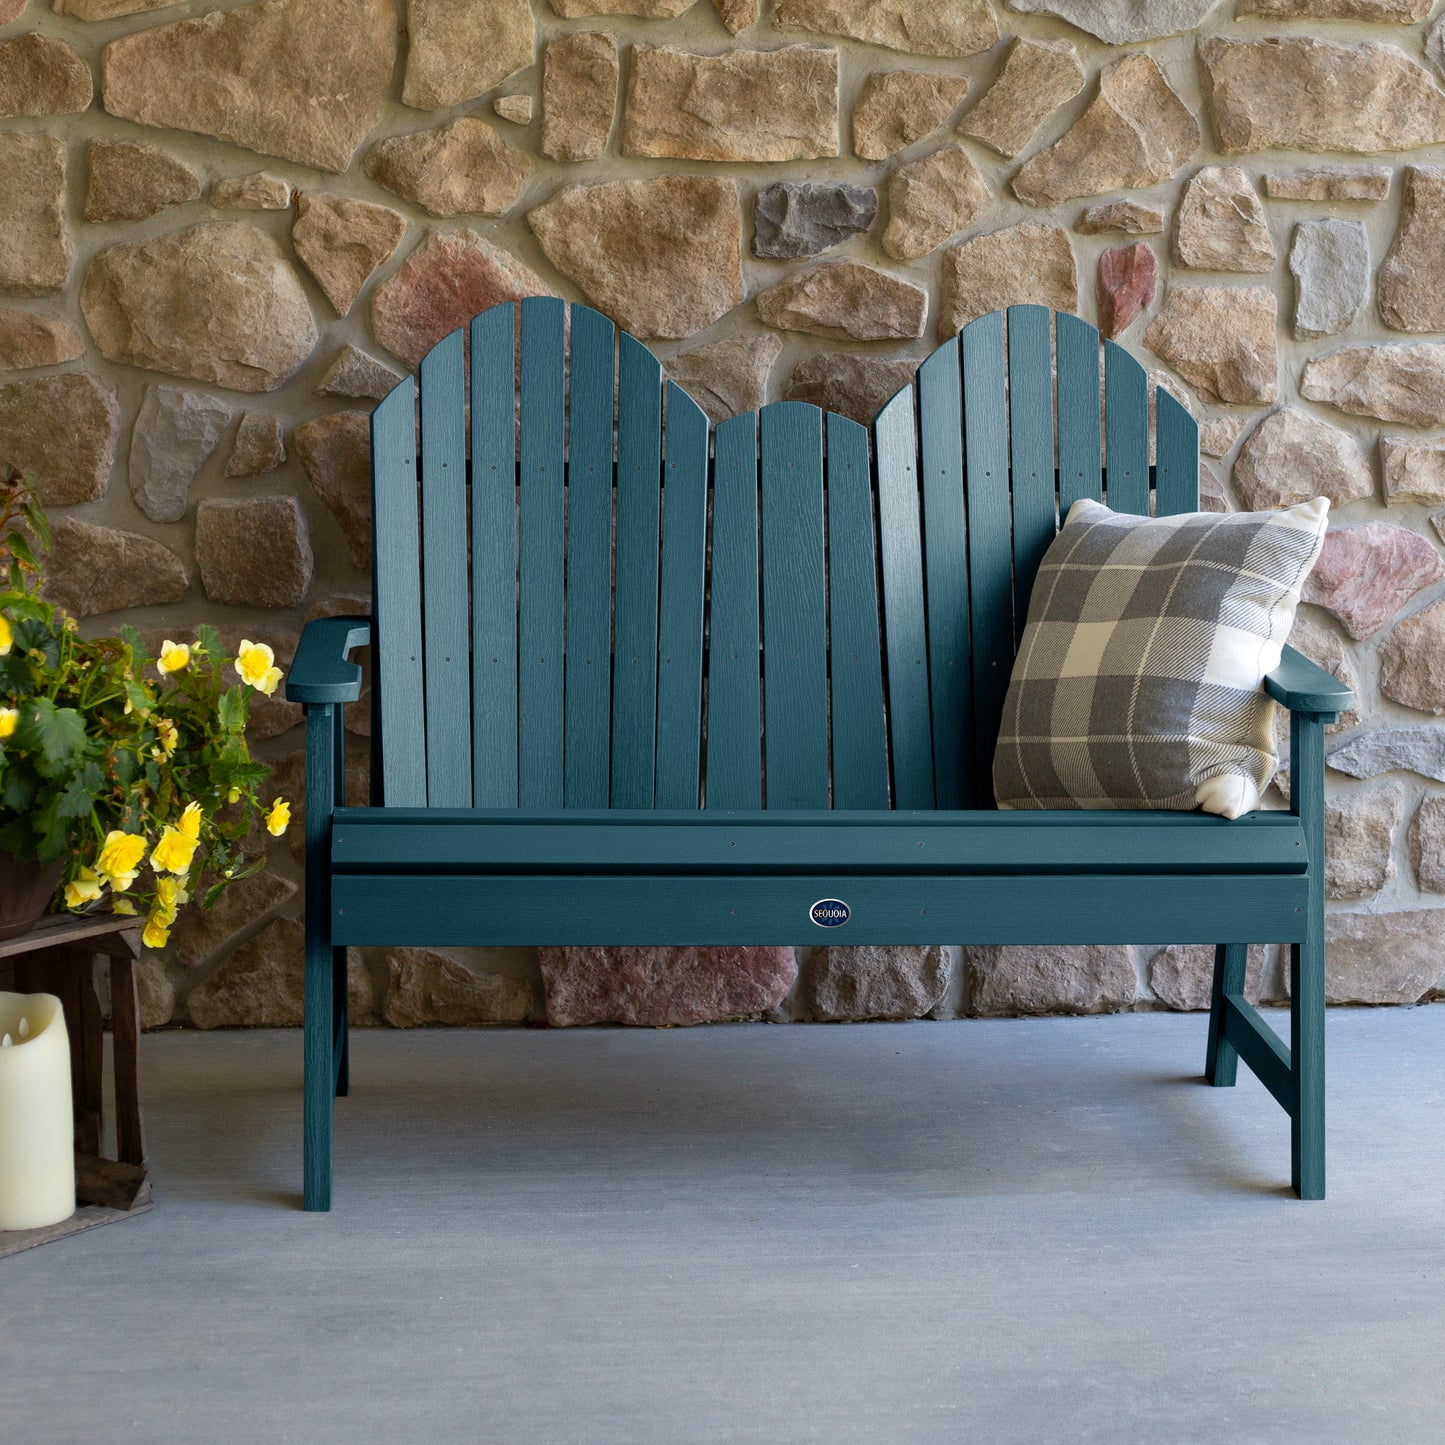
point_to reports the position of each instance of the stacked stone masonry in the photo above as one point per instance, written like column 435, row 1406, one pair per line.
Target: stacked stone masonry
column 225, row 232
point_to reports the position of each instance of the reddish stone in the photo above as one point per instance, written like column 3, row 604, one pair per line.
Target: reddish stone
column 663, row 986
column 335, row 453
column 1366, row 574
column 1126, row 285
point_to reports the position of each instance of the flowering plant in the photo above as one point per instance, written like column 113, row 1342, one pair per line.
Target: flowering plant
column 133, row 770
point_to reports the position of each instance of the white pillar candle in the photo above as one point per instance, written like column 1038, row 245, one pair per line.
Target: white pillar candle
column 37, row 1128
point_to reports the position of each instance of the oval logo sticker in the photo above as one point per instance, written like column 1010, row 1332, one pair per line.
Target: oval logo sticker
column 830, row 913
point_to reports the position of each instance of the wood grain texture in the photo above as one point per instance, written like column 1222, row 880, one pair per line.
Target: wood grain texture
column 1126, row 432
column 1176, row 457
column 1080, row 437
column 1031, row 449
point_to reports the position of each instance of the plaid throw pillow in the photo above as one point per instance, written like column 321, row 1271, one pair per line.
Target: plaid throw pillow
column 1138, row 680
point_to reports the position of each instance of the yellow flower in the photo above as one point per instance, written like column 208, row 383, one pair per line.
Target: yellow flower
column 122, row 905
column 85, row 887
column 190, row 823
column 7, row 637
column 157, row 932
column 174, row 656
column 233, row 795
column 174, row 852
column 9, row 721
column 120, row 857
column 166, row 738
column 256, row 664
column 279, row 818
column 169, row 898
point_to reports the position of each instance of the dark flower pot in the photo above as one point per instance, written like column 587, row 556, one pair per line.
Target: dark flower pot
column 25, row 892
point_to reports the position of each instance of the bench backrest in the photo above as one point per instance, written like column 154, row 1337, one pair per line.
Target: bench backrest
column 588, row 597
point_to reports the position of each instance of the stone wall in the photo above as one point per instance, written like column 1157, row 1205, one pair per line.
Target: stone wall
column 224, row 231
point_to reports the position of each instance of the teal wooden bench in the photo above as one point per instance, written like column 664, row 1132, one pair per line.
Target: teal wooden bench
column 639, row 680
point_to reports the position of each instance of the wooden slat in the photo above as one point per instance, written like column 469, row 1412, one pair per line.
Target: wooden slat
column 1126, row 431
column 1080, row 439
column 683, row 584
column 860, row 743
column 1031, row 449
column 990, row 564
column 444, row 575
column 592, row 404
column 895, row 456
column 634, row 678
column 795, row 675
column 1176, row 457
column 1260, row 1047
column 734, row 688
column 494, row 558
column 540, row 552
column 125, row 1049
column 396, row 565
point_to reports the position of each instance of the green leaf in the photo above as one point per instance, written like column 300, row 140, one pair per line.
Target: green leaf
column 79, row 794
column 57, row 734
column 210, row 641
column 232, row 709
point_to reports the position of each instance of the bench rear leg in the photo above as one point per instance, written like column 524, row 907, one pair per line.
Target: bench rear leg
column 341, row 1021
column 1221, row 1062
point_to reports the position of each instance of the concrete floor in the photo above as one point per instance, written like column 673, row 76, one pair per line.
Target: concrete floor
column 1008, row 1230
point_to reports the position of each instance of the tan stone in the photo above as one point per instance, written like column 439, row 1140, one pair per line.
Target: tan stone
column 1038, row 77
column 1403, row 384
column 898, row 107
column 1028, row 262
column 1095, row 978
column 99, row 569
column 130, row 181
column 1427, row 844
column 932, row 198
column 1134, row 132
column 300, row 79
column 1412, row 275
column 94, row 10
column 464, row 168
column 446, row 281
column 1360, row 828
column 217, row 302
column 1367, row 183
column 846, row 300
column 253, row 552
column 199, row 932
column 342, row 242
column 515, row 108
column 1217, row 434
column 1221, row 340
column 1414, row 468
column 355, row 373
column 28, row 340
column 744, row 105
column 1412, row 661
column 63, row 431
column 849, row 385
column 10, row 10
column 877, row 982
column 727, row 377
column 1404, row 12
column 1384, row 957
column 1220, row 224
column 737, row 15
column 1182, row 975
column 175, row 431
column 256, row 192
column 258, row 447
column 662, row 257
column 1130, row 217
column 1299, row 93
column 579, row 95
column 1292, row 456
column 430, row 988
column 647, row 9
column 919, row 27
column 335, row 453
column 41, row 75
column 155, row 992
column 35, row 249
column 458, row 49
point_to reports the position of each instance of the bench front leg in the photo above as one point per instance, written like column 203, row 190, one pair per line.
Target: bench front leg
column 1307, row 963
column 323, row 731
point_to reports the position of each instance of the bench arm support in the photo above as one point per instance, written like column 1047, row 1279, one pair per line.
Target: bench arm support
column 1303, row 687
column 321, row 672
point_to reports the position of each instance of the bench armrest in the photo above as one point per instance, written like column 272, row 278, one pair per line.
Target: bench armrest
column 1302, row 686
column 321, row 672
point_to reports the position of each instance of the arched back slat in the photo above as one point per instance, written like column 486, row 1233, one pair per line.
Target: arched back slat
column 795, row 669
column 1126, row 431
column 1176, row 451
column 900, row 545
column 860, row 743
column 1080, row 441
column 634, row 672
column 683, row 587
column 591, row 407
column 396, row 595
column 945, row 559
column 1031, row 448
column 734, row 686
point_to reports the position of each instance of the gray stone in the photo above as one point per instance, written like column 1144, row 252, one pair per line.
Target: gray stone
column 342, row 242
column 457, row 49
column 256, row 192
column 879, row 982
column 175, row 431
column 745, row 105
column 1027, row 262
column 1330, row 263
column 426, row 988
column 1404, row 384
column 355, row 373
column 1182, row 975
column 94, row 569
column 460, row 169
column 335, row 453
column 1427, row 844
column 1412, row 275
column 1292, row 456
column 1360, row 829
column 253, row 551
column 1130, row 217
column 1366, row 574
column 1014, row 979
column 1414, row 468
column 849, row 385
column 1384, row 957
column 727, row 377
column 1412, row 661
column 919, row 27
column 1220, row 224
column 35, row 249
column 897, row 107
column 579, row 95
column 931, row 199
column 793, row 219
column 1038, row 76
column 63, row 431
column 1419, row 749
column 846, row 300
column 1121, row 22
column 130, row 181
column 42, row 75
column 1323, row 183
column 28, row 340
column 1221, row 340
column 258, row 447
